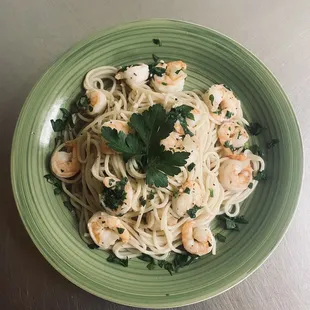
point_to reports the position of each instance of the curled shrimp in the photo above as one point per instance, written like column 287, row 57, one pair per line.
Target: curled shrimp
column 222, row 103
column 106, row 230
column 236, row 173
column 97, row 101
column 189, row 195
column 196, row 240
column 231, row 134
column 65, row 164
column 119, row 126
column 134, row 76
column 125, row 205
column 172, row 79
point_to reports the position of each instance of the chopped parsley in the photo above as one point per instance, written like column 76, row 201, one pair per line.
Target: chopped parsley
column 61, row 124
column 272, row 143
column 255, row 149
column 255, row 129
column 228, row 114
column 175, row 194
column 150, row 127
column 211, row 192
column 231, row 223
column 260, row 176
column 229, row 146
column 157, row 42
column 192, row 212
column 68, row 205
column 93, row 246
column 115, row 260
column 191, row 167
column 250, row 185
column 155, row 58
column 120, row 230
column 113, row 197
column 187, row 190
column 220, row 237
column 142, row 201
column 178, row 71
column 54, row 181
column 181, row 113
column 151, row 195
column 211, row 98
column 164, row 83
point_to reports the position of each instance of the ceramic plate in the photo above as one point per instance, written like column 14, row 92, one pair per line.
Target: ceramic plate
column 211, row 58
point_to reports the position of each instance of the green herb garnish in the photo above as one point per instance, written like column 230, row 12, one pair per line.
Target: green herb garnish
column 250, row 185
column 93, row 246
column 211, row 192
column 187, row 190
column 272, row 143
column 54, row 181
column 255, row 149
column 254, row 129
column 192, row 212
column 120, row 230
column 211, row 98
column 260, row 176
column 220, row 237
column 157, row 42
column 155, row 58
column 69, row 205
column 113, row 197
column 151, row 195
column 229, row 146
column 230, row 223
column 150, row 128
column 178, row 71
column 142, row 201
column 115, row 260
column 228, row 114
column 164, row 83
column 191, row 167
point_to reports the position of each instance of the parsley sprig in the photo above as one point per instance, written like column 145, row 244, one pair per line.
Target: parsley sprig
column 150, row 127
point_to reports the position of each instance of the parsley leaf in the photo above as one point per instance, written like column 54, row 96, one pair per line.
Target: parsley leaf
column 157, row 42
column 230, row 223
column 250, row 185
column 272, row 143
column 129, row 145
column 115, row 260
column 220, row 237
column 211, row 192
column 211, row 98
column 187, row 190
column 68, row 205
column 192, row 212
column 254, row 129
column 93, row 246
column 155, row 58
column 150, row 128
column 229, row 115
column 255, row 149
column 54, row 181
column 260, row 176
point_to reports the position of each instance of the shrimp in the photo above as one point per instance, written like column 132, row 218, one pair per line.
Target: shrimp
column 119, row 126
column 189, row 195
column 172, row 80
column 190, row 122
column 231, row 134
column 65, row 164
column 115, row 184
column 105, row 230
column 236, row 173
column 135, row 75
column 98, row 101
column 197, row 240
column 171, row 220
column 222, row 103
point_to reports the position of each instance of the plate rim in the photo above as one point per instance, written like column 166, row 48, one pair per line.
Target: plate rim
column 63, row 56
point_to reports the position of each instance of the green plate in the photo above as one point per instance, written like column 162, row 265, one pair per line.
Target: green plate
column 211, row 58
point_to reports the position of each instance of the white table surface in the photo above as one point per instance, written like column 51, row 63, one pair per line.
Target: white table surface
column 34, row 33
